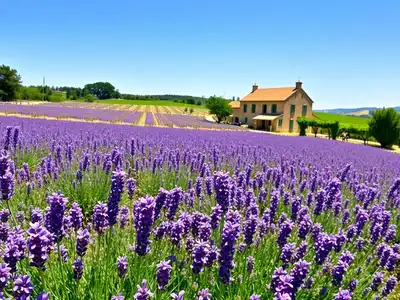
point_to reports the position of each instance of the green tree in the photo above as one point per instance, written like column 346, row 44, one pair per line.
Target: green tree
column 10, row 82
column 198, row 102
column 102, row 90
column 303, row 125
column 219, row 107
column 385, row 126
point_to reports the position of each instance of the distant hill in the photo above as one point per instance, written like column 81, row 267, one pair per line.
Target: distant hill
column 360, row 111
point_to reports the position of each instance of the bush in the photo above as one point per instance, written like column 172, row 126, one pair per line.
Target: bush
column 55, row 98
column 90, row 98
column 191, row 110
column 385, row 126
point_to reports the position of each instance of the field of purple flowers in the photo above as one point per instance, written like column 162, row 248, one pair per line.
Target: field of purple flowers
column 98, row 211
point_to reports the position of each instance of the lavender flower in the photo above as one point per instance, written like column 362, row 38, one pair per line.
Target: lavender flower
column 390, row 285
column 203, row 295
column 5, row 276
column 177, row 230
column 222, row 187
column 343, row 295
column 199, row 255
column 143, row 211
column 179, row 296
column 43, row 296
column 163, row 274
column 299, row 273
column 173, row 201
column 39, row 244
column 131, row 187
column 250, row 264
column 230, row 235
column 76, row 216
column 36, row 215
column 100, row 218
column 250, row 227
column 287, row 253
column 22, row 287
column 55, row 214
column 122, row 266
column 118, row 297
column 117, row 188
column 143, row 292
column 4, row 215
column 323, row 246
column 284, row 232
column 161, row 200
column 216, row 216
column 82, row 241
column 77, row 267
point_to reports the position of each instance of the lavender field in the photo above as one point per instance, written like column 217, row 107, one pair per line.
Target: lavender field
column 125, row 114
column 99, row 211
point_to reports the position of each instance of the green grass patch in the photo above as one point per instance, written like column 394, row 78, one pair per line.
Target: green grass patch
column 342, row 119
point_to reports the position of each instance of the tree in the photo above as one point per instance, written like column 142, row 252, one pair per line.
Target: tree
column 219, row 107
column 314, row 124
column 303, row 125
column 385, row 126
column 102, row 90
column 198, row 102
column 10, row 82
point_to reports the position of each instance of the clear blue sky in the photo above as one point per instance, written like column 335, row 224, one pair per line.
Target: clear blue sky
column 346, row 52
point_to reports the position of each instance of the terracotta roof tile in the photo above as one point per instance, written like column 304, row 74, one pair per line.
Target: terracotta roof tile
column 270, row 94
column 235, row 104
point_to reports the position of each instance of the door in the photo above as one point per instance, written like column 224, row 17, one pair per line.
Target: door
column 263, row 125
column 291, row 126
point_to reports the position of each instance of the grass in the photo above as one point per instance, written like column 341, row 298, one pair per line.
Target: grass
column 148, row 102
column 343, row 119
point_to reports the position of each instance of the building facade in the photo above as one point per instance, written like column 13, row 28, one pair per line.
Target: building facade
column 273, row 109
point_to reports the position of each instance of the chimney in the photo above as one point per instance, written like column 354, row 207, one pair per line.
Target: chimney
column 255, row 87
column 298, row 85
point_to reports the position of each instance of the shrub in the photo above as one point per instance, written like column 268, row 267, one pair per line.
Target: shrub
column 90, row 98
column 385, row 126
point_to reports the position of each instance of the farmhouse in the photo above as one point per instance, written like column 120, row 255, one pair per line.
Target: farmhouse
column 273, row 109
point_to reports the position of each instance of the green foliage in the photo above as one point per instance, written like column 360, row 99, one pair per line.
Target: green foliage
column 334, row 128
column 90, row 98
column 385, row 126
column 341, row 118
column 315, row 125
column 10, row 82
column 360, row 132
column 102, row 90
column 303, row 125
column 219, row 107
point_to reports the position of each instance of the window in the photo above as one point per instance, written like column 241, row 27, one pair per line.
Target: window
column 245, row 108
column 245, row 119
column 292, row 109
column 264, row 109
column 304, row 112
column 253, row 108
column 273, row 109
column 280, row 122
column 291, row 126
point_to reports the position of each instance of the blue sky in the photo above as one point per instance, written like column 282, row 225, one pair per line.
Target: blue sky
column 347, row 53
